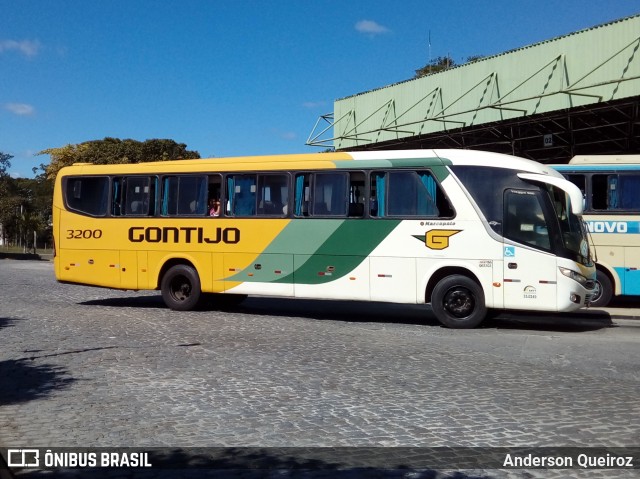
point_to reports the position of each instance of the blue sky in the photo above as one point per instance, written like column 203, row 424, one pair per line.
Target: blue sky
column 235, row 77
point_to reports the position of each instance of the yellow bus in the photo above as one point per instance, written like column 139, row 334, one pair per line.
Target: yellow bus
column 466, row 231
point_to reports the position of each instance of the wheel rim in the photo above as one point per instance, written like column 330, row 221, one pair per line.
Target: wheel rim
column 180, row 288
column 459, row 302
column 597, row 292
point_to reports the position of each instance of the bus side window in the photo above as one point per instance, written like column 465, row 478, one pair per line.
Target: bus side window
column 600, row 192
column 273, row 195
column 184, row 195
column 356, row 194
column 137, row 194
column 116, row 196
column 87, row 194
column 302, row 193
column 615, row 192
column 628, row 187
column 214, row 195
column 407, row 194
column 241, row 192
column 329, row 194
column 581, row 182
column 411, row 193
column 524, row 220
column 377, row 194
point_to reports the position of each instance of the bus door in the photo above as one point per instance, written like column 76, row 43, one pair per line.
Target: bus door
column 529, row 268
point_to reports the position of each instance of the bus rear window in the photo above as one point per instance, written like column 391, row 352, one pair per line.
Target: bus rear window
column 87, row 195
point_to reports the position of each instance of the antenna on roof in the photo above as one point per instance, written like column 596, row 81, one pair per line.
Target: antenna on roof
column 429, row 51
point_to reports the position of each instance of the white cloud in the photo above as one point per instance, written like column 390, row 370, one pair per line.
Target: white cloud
column 28, row 48
column 369, row 27
column 20, row 109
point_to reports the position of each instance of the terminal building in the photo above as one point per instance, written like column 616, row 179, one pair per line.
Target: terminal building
column 578, row 94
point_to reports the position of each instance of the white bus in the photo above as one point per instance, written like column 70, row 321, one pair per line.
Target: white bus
column 611, row 188
column 466, row 231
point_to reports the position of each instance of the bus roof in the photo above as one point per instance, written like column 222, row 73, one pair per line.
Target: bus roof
column 311, row 161
column 605, row 160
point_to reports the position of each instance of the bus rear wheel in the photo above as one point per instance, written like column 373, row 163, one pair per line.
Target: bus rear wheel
column 181, row 288
column 458, row 302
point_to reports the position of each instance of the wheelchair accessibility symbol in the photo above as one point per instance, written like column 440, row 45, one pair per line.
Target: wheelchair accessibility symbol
column 509, row 251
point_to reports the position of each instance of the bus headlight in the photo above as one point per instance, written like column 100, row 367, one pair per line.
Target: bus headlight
column 569, row 273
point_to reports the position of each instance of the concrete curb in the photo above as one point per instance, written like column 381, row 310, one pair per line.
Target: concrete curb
column 613, row 313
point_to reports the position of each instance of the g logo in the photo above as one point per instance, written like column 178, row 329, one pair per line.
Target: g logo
column 439, row 239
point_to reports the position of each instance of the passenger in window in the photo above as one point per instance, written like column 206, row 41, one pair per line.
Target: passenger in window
column 214, row 207
column 373, row 206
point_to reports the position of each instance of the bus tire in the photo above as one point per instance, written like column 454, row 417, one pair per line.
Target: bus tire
column 181, row 288
column 458, row 302
column 604, row 290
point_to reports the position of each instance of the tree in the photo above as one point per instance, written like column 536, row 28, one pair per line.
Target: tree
column 5, row 163
column 436, row 65
column 474, row 58
column 5, row 193
column 25, row 204
column 38, row 209
column 15, row 205
column 25, row 208
column 442, row 63
column 61, row 157
column 114, row 151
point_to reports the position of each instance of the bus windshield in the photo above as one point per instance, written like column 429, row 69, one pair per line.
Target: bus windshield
column 573, row 233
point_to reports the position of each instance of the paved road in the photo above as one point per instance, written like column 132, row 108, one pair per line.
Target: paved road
column 94, row 367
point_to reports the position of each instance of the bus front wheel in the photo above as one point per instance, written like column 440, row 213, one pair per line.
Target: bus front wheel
column 604, row 290
column 458, row 302
column 181, row 288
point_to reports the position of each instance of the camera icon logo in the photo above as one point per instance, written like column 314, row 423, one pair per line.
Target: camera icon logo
column 23, row 457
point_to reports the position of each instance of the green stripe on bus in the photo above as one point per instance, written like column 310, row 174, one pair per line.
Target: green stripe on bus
column 427, row 162
column 437, row 165
column 323, row 250
column 299, row 237
column 342, row 252
column 303, row 236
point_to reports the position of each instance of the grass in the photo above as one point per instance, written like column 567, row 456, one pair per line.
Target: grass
column 20, row 249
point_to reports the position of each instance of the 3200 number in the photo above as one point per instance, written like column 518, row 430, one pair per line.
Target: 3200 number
column 84, row 234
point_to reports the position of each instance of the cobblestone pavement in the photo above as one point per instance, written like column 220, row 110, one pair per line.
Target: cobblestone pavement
column 89, row 367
